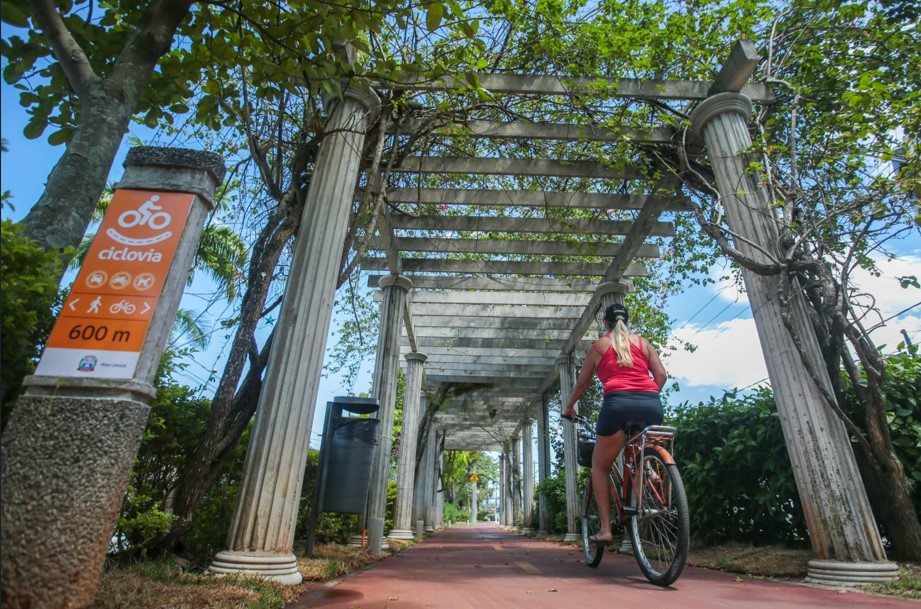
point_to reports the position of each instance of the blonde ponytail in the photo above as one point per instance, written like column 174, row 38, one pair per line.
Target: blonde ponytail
column 620, row 340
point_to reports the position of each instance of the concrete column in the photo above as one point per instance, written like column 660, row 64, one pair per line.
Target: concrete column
column 564, row 363
column 516, row 481
column 505, row 489
column 543, row 461
column 71, row 441
column 430, row 488
column 527, row 451
column 439, row 488
column 394, row 289
column 473, row 503
column 406, row 464
column 262, row 529
column 842, row 530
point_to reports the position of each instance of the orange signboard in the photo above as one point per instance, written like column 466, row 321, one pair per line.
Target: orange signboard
column 104, row 321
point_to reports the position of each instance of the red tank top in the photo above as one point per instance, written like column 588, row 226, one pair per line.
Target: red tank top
column 615, row 377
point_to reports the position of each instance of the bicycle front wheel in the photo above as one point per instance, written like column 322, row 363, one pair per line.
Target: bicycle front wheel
column 660, row 531
column 591, row 524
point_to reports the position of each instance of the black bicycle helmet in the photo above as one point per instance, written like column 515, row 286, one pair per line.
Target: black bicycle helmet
column 615, row 312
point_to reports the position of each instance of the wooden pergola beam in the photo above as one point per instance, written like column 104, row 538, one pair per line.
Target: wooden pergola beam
column 501, row 267
column 512, row 246
column 525, row 198
column 524, row 225
column 519, row 130
column 521, row 84
column 516, row 167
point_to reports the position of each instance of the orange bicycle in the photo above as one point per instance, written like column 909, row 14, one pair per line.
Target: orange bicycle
column 648, row 498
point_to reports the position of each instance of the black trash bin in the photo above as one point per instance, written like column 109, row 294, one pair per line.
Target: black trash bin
column 348, row 466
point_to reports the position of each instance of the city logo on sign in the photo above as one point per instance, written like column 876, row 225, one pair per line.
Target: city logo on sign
column 87, row 364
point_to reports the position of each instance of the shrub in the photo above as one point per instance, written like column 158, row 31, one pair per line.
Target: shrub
column 28, row 295
column 736, row 470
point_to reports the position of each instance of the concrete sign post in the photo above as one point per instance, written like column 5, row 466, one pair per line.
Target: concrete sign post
column 71, row 441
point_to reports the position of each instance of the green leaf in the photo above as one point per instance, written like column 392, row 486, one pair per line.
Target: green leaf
column 434, row 15
column 14, row 15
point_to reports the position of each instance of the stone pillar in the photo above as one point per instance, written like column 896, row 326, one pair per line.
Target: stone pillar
column 430, row 488
column 543, row 461
column 505, row 489
column 842, row 530
column 262, row 530
column 406, row 464
column 515, row 480
column 71, row 441
column 569, row 452
column 394, row 289
column 439, row 487
column 474, row 503
column 527, row 451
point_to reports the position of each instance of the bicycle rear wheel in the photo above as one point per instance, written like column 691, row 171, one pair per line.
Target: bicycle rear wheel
column 660, row 532
column 591, row 524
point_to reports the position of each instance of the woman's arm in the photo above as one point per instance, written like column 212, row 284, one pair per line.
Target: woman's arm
column 659, row 375
column 585, row 377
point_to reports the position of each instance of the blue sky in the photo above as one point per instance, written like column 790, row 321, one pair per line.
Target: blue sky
column 717, row 318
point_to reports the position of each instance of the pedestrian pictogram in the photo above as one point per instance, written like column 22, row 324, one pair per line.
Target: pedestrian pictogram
column 105, row 319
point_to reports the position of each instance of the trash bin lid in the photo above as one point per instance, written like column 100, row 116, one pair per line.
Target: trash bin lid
column 358, row 405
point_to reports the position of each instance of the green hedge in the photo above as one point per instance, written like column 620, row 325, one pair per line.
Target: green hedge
column 735, row 467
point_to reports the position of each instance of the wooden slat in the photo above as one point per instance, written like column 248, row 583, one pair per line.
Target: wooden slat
column 519, row 167
column 500, row 267
column 524, row 198
column 524, row 225
column 544, row 131
column 522, row 84
column 510, row 246
column 523, row 284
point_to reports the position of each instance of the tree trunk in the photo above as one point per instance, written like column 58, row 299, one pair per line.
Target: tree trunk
column 106, row 105
column 62, row 213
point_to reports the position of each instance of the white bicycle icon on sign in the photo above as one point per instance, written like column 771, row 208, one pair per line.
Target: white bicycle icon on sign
column 143, row 215
column 148, row 214
column 123, row 305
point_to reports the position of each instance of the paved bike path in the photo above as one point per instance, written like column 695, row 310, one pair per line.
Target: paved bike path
column 483, row 567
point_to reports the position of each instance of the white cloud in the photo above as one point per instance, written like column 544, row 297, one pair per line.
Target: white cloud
column 728, row 355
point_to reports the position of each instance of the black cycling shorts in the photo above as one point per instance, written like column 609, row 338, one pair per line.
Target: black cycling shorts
column 620, row 407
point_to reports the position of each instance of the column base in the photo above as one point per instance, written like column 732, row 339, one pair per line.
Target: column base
column 626, row 546
column 572, row 537
column 275, row 566
column 357, row 541
column 843, row 573
column 527, row 530
column 429, row 528
column 543, row 533
column 401, row 535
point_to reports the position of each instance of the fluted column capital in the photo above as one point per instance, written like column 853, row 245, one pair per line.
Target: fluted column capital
column 416, row 357
column 562, row 360
column 362, row 92
column 397, row 281
column 721, row 103
column 609, row 287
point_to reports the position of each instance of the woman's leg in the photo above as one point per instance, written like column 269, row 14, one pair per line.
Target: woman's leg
column 606, row 450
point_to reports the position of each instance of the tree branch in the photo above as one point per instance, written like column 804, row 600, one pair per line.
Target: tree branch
column 69, row 53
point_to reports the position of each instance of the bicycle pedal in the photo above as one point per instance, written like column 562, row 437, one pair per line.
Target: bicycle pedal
column 630, row 511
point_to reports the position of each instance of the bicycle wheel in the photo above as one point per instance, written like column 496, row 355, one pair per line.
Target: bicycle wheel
column 660, row 532
column 591, row 524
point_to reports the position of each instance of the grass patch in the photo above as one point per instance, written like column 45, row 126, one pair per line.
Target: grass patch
column 765, row 561
column 908, row 586
column 153, row 584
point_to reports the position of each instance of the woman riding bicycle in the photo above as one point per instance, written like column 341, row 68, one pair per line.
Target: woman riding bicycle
column 624, row 362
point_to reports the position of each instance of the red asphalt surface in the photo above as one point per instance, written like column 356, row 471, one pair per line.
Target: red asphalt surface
column 483, row 567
